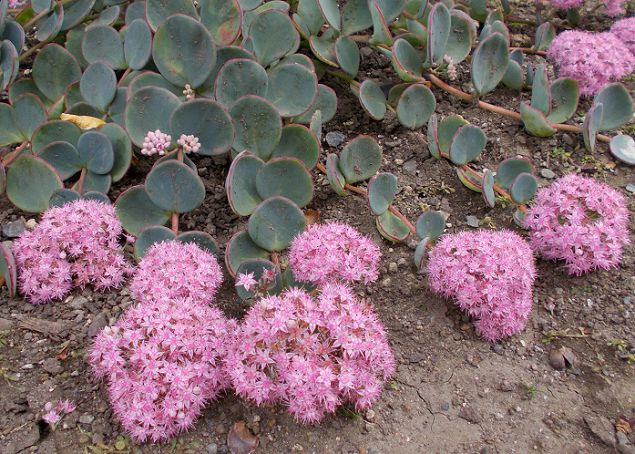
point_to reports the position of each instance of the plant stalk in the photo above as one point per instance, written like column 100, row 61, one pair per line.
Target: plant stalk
column 15, row 154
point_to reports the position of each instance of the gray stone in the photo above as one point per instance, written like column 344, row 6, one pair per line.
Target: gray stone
column 622, row 439
column 410, row 167
column 473, row 221
column 548, row 174
column 602, row 428
column 52, row 366
column 13, row 229
column 212, row 448
column 78, row 302
column 99, row 322
column 5, row 325
column 393, row 267
column 470, row 415
column 86, row 419
column 335, row 138
column 630, row 188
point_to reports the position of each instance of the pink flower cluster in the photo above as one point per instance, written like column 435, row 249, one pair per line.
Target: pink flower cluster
column 73, row 245
column 592, row 59
column 331, row 252
column 156, row 142
column 613, row 7
column 190, row 143
column 172, row 269
column 311, row 353
column 490, row 274
column 55, row 413
column 581, row 221
column 163, row 362
column 625, row 31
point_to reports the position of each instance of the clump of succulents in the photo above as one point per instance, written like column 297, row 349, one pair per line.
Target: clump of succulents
column 72, row 246
column 581, row 221
column 490, row 275
column 592, row 59
column 173, row 269
column 334, row 251
column 162, row 363
column 311, row 353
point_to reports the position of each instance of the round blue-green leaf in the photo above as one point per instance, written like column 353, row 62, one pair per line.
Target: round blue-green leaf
column 421, row 253
column 63, row 196
column 223, row 19
column 94, row 182
column 136, row 211
column 201, row 239
column 30, row 114
column 430, row 224
column 293, row 89
column 391, row 227
column 565, row 95
column 98, row 85
column 447, row 130
column 618, row 106
column 137, row 44
column 623, row 148
column 541, row 90
column 509, row 169
column 331, row 12
column 174, row 187
column 592, row 125
column 469, row 180
column 97, row 196
column 524, row 188
column 468, row 142
column 298, row 141
column 54, row 69
column 382, row 189
column 407, row 61
column 96, row 152
column 76, row 12
column 30, row 183
column 489, row 195
column 242, row 193
column 535, row 121
column 54, row 131
column 326, row 102
column 323, row 49
column 373, row 99
column 287, row 177
column 240, row 77
column 152, row 79
column 9, row 132
column 50, row 25
column 8, row 269
column 64, row 158
column 415, row 106
column 103, row 43
column 9, row 63
column 3, row 178
column 158, row 11
column 149, row 109
column 136, row 10
column 356, row 16
column 258, row 126
column 275, row 222
column 241, row 248
column 14, row 33
column 461, row 38
column 439, row 24
column 274, row 36
column 223, row 55
column 514, row 77
column 257, row 267
column 149, row 236
column 347, row 55
column 183, row 51
column 122, row 148
column 206, row 120
column 334, row 174
column 360, row 159
column 489, row 63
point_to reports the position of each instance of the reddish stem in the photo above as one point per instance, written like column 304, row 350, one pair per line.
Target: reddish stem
column 175, row 216
column 80, row 182
column 15, row 154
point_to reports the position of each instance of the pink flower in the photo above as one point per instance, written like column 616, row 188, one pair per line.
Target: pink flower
column 613, row 7
column 190, row 144
column 54, row 413
column 162, row 364
column 592, row 59
column 566, row 4
column 52, row 418
column 172, row 269
column 246, row 280
column 73, row 246
column 625, row 31
column 156, row 143
column 581, row 221
column 490, row 275
column 311, row 353
column 334, row 251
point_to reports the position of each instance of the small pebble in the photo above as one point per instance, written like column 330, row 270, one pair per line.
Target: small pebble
column 335, row 138
column 548, row 174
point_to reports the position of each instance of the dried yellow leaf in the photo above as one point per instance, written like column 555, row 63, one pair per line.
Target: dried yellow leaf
column 83, row 121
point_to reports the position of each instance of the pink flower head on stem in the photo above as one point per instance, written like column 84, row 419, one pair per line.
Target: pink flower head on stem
column 246, row 280
column 581, row 221
column 172, row 269
column 190, row 144
column 156, row 142
column 490, row 275
column 162, row 364
column 73, row 245
column 334, row 251
column 311, row 353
